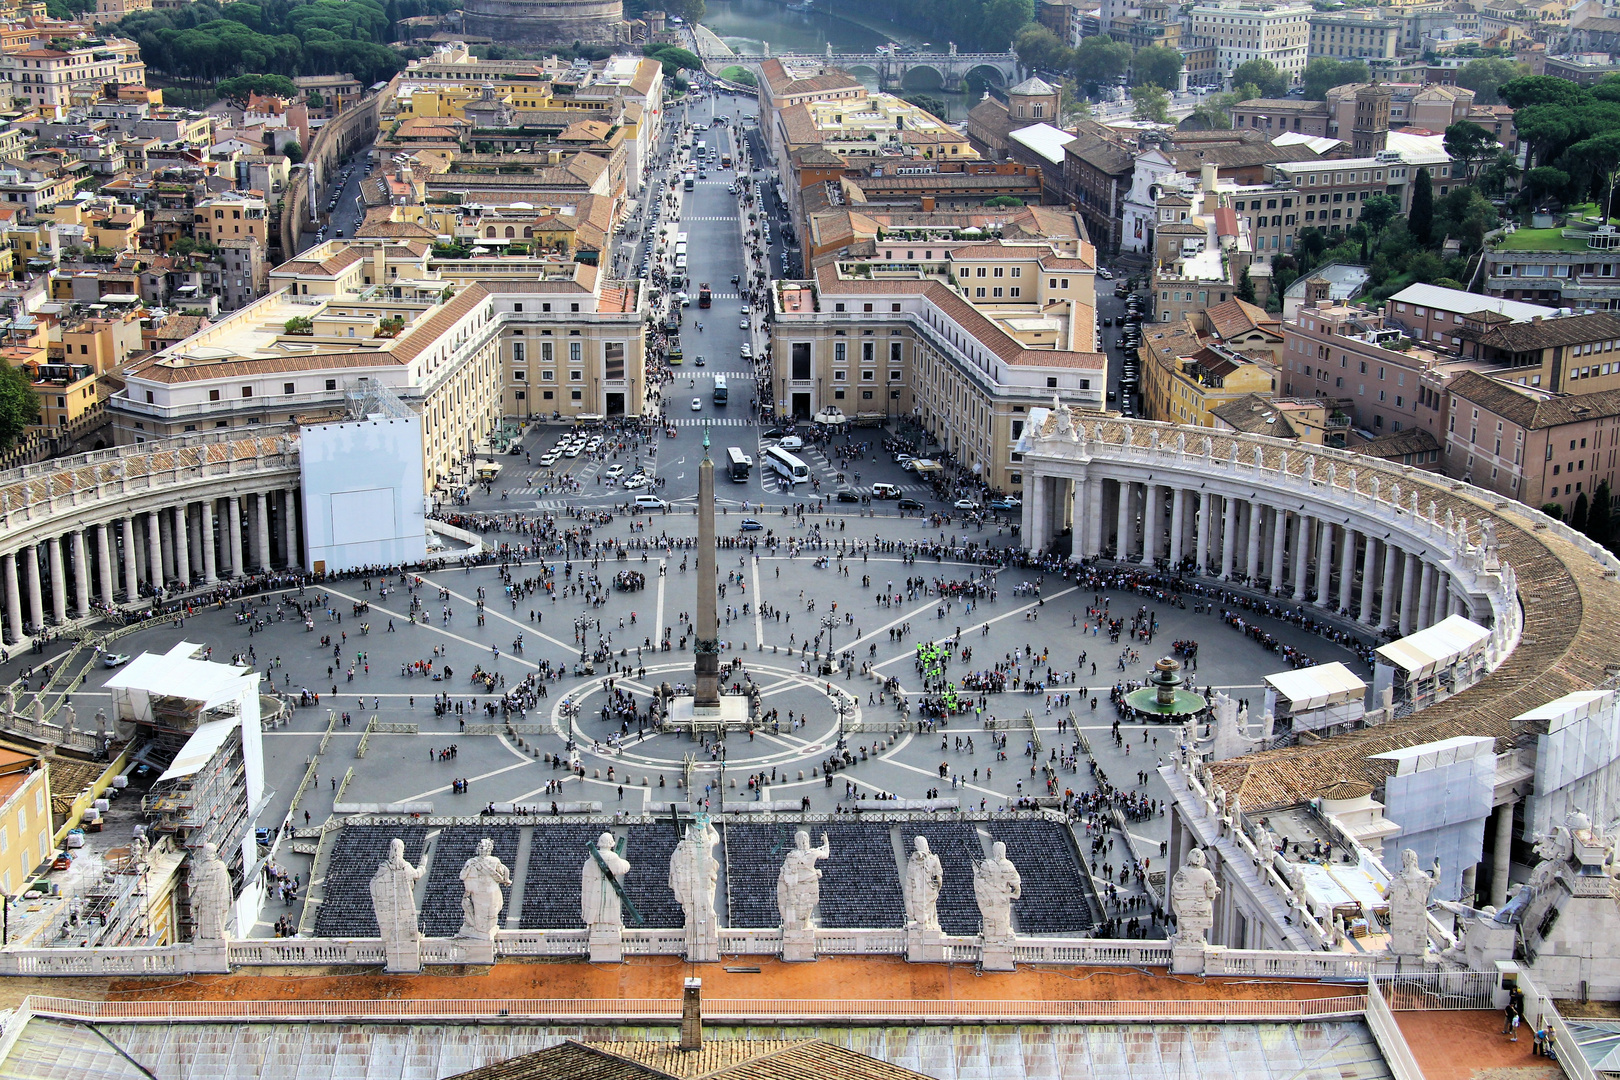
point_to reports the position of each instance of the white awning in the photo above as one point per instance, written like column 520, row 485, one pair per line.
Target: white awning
column 174, row 675
column 1317, row 687
column 200, row 748
column 1441, row 645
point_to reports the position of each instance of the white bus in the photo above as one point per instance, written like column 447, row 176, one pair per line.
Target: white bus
column 786, row 465
column 680, row 238
column 680, row 249
column 738, row 463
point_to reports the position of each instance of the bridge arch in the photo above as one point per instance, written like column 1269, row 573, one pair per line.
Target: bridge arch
column 990, row 73
column 924, row 77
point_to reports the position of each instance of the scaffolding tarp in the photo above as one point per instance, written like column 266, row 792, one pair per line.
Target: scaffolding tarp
column 1422, row 654
column 1317, row 687
column 200, row 748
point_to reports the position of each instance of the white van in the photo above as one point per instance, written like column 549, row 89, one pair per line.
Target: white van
column 650, row 502
column 885, row 491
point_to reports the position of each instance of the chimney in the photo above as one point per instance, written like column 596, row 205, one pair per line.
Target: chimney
column 928, row 204
column 692, row 1015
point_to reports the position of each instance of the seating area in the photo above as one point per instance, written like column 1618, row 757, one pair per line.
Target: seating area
column 1054, row 890
column 441, row 901
column 754, row 855
column 860, row 884
column 648, row 848
column 958, row 846
column 557, row 853
column 356, row 853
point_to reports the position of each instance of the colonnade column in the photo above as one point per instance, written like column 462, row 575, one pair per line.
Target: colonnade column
column 182, row 548
column 234, row 508
column 1409, row 578
column 1178, row 509
column 81, row 571
column 36, row 597
column 1426, row 597
column 8, row 566
column 1347, row 566
column 1038, row 527
column 1386, row 588
column 1257, row 520
column 59, row 608
column 1152, row 505
column 289, row 523
column 1201, row 551
column 206, row 529
column 1369, row 581
column 1324, row 565
column 1279, row 544
column 154, row 552
column 104, row 565
column 1302, row 546
column 1228, row 534
column 262, row 503
column 1122, row 524
column 132, row 570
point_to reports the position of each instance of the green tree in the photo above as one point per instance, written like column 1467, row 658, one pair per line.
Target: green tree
column 1323, row 75
column 239, row 88
column 294, row 152
column 1553, row 510
column 1599, row 524
column 1245, row 287
column 1376, row 214
column 1502, row 173
column 1004, row 201
column 1467, row 142
column 1099, row 60
column 928, row 103
column 1040, row 49
column 1544, row 181
column 19, row 405
column 1577, row 513
column 1264, row 75
column 1159, row 65
column 1152, row 104
column 1420, row 219
column 1002, row 19
column 1486, row 76
column 1207, row 115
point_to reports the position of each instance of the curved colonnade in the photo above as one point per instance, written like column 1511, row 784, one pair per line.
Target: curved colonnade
column 1392, row 548
column 82, row 534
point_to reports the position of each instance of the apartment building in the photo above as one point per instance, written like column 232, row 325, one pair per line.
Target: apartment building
column 1526, row 444
column 1186, row 378
column 27, row 837
column 1557, row 275
column 1435, row 315
column 1354, row 35
column 232, row 215
column 1244, row 30
column 461, row 355
column 1331, row 191
column 1563, row 354
column 56, row 78
column 966, row 345
column 1373, row 372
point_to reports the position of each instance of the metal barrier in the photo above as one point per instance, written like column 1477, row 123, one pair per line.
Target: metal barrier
column 1442, row 991
column 1387, row 1033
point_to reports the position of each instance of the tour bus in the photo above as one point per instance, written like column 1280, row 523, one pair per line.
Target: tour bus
column 789, row 467
column 680, row 238
column 739, row 463
column 725, row 161
column 690, row 181
column 721, row 393
column 680, row 249
column 680, row 262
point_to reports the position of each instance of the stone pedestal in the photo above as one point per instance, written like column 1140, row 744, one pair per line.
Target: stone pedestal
column 405, row 956
column 211, row 956
column 1187, row 958
column 476, row 950
column 703, row 944
column 996, row 954
column 607, row 944
column 798, row 945
column 924, row 946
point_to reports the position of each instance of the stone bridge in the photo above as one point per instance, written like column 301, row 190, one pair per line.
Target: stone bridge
column 921, row 71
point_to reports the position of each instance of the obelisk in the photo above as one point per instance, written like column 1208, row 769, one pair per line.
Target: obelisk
column 706, row 684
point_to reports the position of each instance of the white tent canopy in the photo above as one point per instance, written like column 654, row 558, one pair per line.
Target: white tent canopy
column 1426, row 652
column 1317, row 687
column 201, row 747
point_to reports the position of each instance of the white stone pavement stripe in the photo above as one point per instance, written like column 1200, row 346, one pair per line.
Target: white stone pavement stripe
column 974, row 626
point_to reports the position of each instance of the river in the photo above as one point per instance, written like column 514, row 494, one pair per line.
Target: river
column 748, row 25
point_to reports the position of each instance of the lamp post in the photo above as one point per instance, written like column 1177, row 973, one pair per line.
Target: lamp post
column 829, row 621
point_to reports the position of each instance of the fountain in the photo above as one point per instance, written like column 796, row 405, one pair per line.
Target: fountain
column 1163, row 697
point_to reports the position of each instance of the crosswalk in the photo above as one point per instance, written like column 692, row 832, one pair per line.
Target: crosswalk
column 722, row 217
column 716, row 421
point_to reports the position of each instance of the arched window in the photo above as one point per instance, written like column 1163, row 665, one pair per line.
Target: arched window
column 528, row 232
column 490, row 232
column 511, row 233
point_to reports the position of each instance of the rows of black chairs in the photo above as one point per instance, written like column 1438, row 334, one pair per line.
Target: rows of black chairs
column 346, row 910
column 442, row 913
column 648, row 849
column 1054, row 892
column 557, row 853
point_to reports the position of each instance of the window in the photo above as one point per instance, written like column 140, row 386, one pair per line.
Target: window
column 287, row 388
column 247, row 391
column 213, row 395
column 576, row 376
column 331, row 384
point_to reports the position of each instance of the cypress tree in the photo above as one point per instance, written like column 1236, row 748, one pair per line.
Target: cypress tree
column 1421, row 219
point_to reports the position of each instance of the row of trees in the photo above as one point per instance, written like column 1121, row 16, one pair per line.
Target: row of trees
column 1097, row 61
column 1572, row 135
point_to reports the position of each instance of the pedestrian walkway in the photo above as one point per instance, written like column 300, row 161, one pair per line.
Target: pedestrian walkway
column 715, row 421
column 723, row 217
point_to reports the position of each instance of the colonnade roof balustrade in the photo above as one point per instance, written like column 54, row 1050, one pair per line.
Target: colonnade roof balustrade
column 1567, row 588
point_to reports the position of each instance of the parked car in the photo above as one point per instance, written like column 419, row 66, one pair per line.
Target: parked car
column 749, row 525
column 909, row 504
column 614, row 472
column 847, row 497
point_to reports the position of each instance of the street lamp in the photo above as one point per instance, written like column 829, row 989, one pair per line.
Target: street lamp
column 829, row 621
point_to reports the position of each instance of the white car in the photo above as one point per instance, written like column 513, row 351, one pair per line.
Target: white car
column 697, row 404
column 573, row 450
column 550, row 459
column 746, row 310
column 686, row 301
column 650, row 502
column 742, row 324
column 792, row 442
column 965, row 504
column 614, row 472
column 637, row 482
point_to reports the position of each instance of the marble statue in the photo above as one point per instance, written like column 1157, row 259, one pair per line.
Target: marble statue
column 139, row 852
column 8, row 702
column 599, row 901
column 393, row 895
column 996, row 884
column 798, row 886
column 481, row 879
column 694, row 873
column 37, row 709
column 101, row 721
column 1192, row 898
column 70, row 718
column 1064, row 417
column 1409, row 907
column 210, row 895
column 924, row 876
